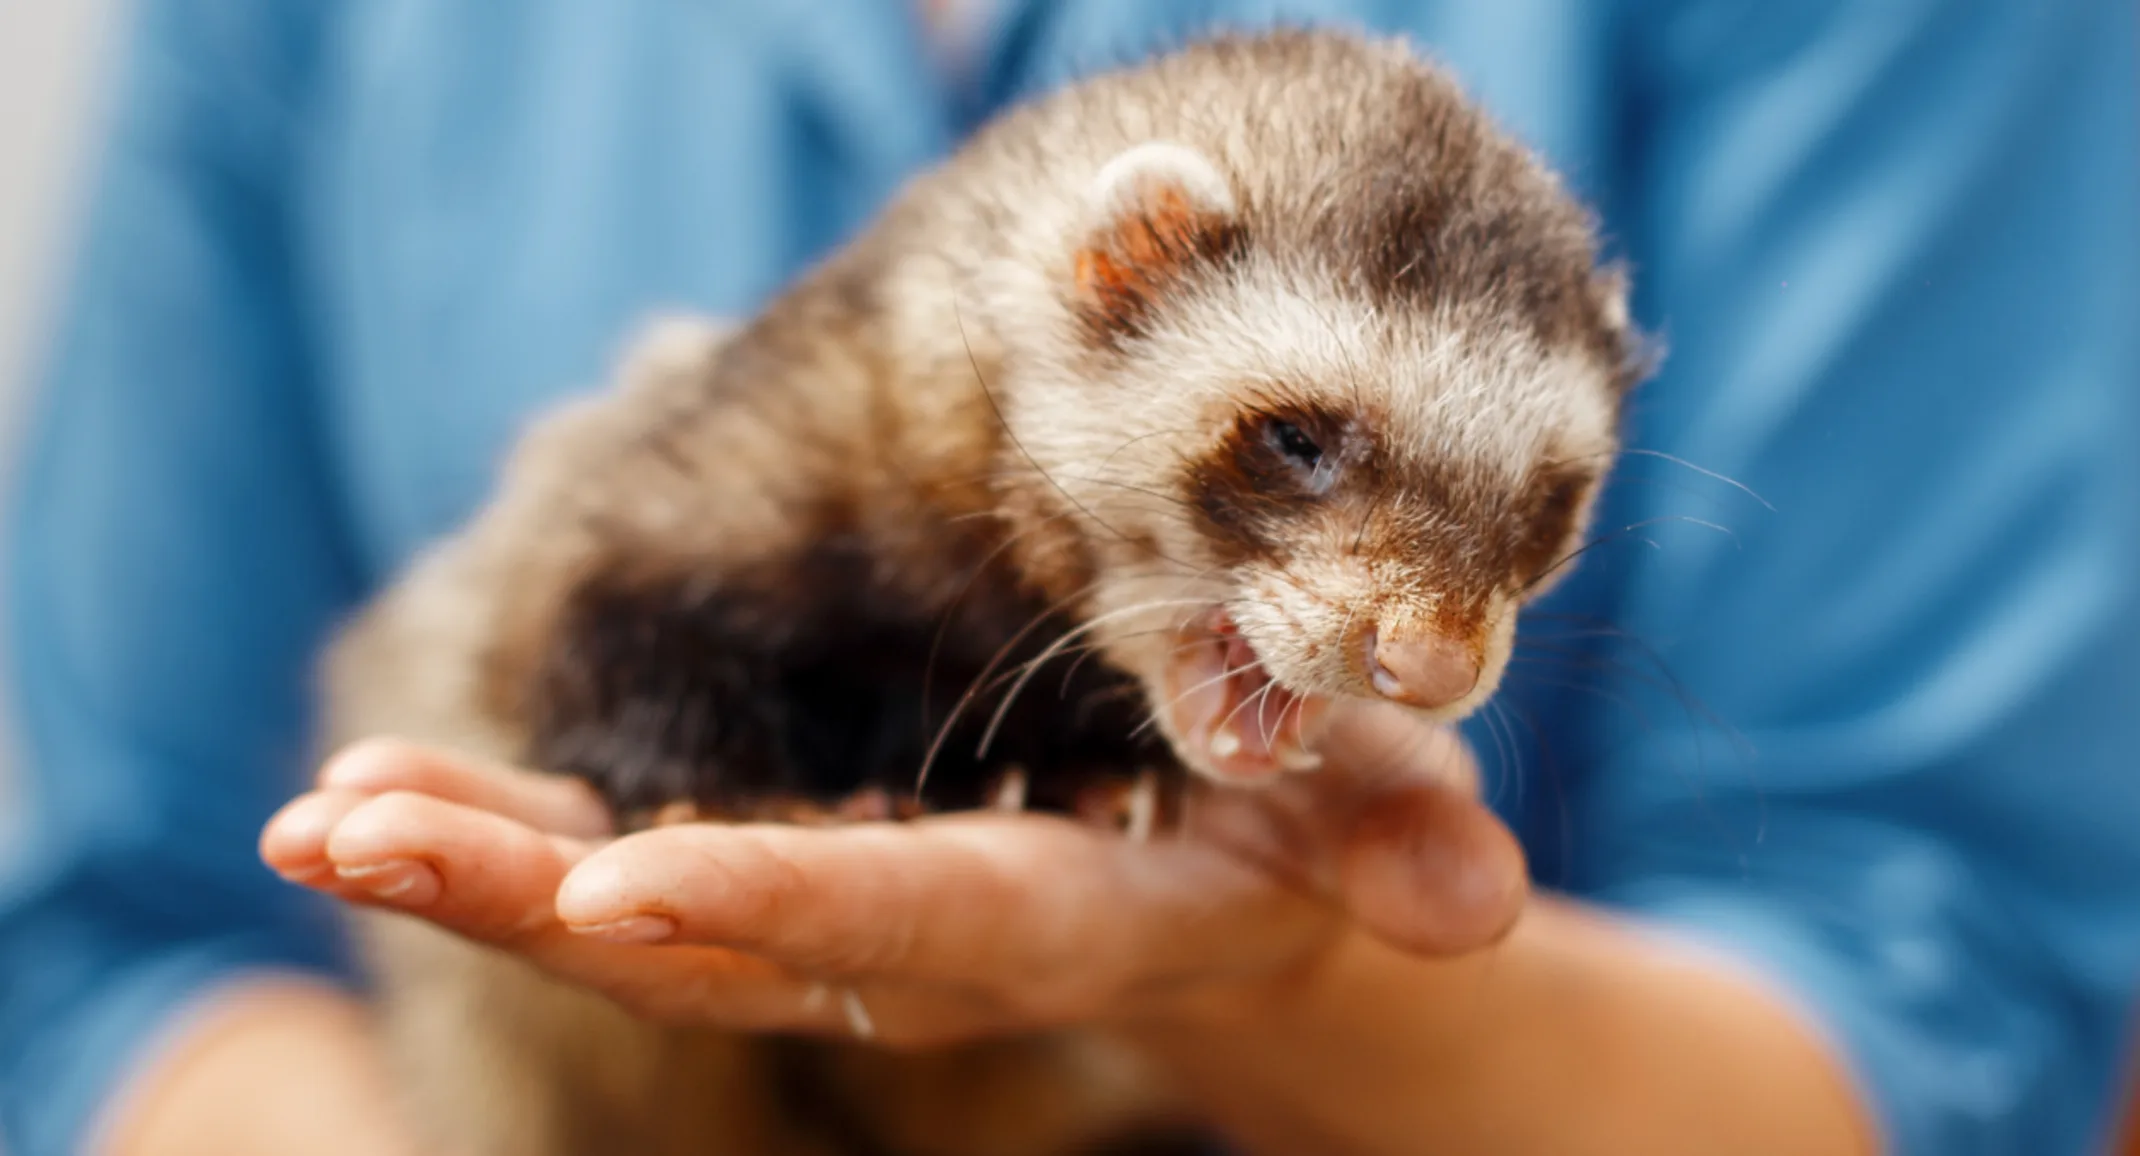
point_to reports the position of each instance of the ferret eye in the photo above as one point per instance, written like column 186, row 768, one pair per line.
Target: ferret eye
column 1293, row 459
column 1298, row 447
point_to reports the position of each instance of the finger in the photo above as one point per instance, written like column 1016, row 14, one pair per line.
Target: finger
column 1431, row 871
column 1043, row 910
column 491, row 879
column 304, row 844
column 475, row 872
column 494, row 880
column 1368, row 742
column 294, row 841
column 1421, row 861
column 825, row 899
column 1298, row 826
column 1391, row 830
column 552, row 803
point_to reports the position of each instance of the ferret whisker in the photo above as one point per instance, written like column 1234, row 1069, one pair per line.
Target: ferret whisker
column 1109, row 459
column 1048, row 612
column 949, row 614
column 1585, row 548
column 1269, row 733
column 1237, row 708
column 1186, row 692
column 1086, row 650
column 1691, row 520
column 1546, row 765
column 1507, row 752
column 1300, row 714
column 1594, row 664
column 943, row 731
column 1089, row 651
column 1072, row 635
column 1259, row 701
column 1734, row 483
column 1660, row 679
column 1534, row 678
column 1659, row 672
column 1674, row 483
column 1485, row 718
column 981, row 380
column 1167, row 498
column 1003, row 709
column 1532, row 618
column 1657, row 675
column 1086, row 645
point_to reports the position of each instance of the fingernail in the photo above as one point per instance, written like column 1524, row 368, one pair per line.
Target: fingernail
column 637, row 929
column 309, row 874
column 398, row 881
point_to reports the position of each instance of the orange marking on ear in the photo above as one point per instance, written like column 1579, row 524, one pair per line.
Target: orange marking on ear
column 1116, row 292
column 1100, row 274
column 1132, row 259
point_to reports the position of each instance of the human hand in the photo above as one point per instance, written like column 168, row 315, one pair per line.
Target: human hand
column 265, row 1066
column 941, row 929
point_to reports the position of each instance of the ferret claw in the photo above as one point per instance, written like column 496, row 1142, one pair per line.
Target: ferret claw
column 870, row 805
column 1010, row 791
column 858, row 1020
column 1296, row 759
column 1143, row 807
column 681, row 811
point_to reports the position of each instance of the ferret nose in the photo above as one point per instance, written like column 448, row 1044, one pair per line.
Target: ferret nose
column 1425, row 670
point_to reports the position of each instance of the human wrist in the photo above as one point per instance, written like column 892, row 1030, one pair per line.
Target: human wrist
column 273, row 1064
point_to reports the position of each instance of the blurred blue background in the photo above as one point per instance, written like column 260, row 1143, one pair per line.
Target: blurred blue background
column 52, row 59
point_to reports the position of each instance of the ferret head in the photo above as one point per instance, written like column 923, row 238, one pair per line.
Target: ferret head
column 1334, row 410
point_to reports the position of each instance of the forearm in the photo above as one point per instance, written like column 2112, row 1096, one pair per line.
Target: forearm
column 273, row 1069
column 1575, row 1036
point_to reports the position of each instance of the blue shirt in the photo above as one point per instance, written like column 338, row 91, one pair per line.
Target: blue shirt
column 1873, row 732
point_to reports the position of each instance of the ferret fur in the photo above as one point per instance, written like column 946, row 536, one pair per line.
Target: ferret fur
column 1033, row 399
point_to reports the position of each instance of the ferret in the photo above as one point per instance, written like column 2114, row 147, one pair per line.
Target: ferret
column 1176, row 404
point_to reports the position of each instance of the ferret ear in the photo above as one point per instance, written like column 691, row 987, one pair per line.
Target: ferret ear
column 1156, row 212
column 1640, row 353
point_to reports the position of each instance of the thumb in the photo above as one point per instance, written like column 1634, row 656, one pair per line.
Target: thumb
column 1390, row 829
column 1418, row 860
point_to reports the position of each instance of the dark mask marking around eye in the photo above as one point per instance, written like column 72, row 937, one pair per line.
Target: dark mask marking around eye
column 1270, row 465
